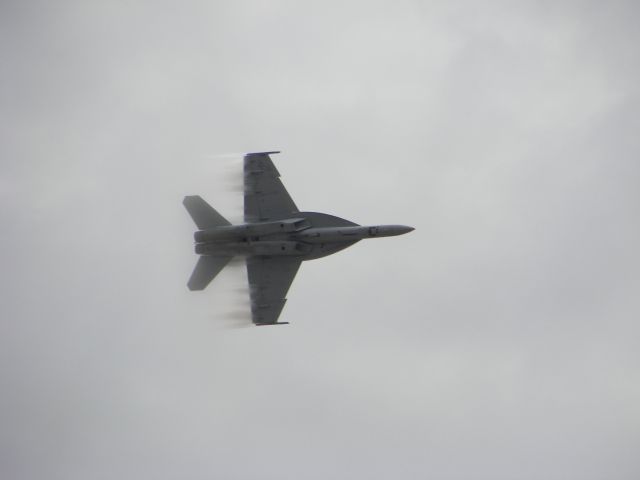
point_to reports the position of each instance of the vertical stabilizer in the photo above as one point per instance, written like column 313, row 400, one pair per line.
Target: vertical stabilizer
column 203, row 214
column 206, row 270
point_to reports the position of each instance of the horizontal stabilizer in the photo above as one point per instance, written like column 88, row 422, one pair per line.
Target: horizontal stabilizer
column 206, row 270
column 203, row 214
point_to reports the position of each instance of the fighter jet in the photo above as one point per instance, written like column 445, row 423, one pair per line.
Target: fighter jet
column 274, row 240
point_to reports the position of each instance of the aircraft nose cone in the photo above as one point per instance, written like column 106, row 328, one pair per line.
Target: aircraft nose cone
column 402, row 229
column 392, row 230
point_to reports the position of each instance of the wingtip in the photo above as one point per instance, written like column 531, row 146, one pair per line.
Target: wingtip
column 251, row 154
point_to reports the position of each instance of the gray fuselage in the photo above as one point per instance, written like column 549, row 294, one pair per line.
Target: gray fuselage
column 308, row 235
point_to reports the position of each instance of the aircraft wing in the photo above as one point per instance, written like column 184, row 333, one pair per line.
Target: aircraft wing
column 265, row 197
column 269, row 281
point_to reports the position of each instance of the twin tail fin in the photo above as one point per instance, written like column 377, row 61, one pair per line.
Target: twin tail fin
column 205, row 217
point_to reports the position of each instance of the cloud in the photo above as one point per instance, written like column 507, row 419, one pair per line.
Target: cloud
column 495, row 341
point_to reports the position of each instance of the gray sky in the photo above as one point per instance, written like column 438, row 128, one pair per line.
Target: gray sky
column 497, row 341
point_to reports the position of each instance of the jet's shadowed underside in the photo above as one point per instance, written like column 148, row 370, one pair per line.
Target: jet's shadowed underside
column 275, row 238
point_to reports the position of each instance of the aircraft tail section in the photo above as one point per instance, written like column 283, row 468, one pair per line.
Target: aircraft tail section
column 206, row 270
column 203, row 214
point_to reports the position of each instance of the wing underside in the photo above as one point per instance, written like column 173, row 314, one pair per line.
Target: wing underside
column 265, row 197
column 269, row 282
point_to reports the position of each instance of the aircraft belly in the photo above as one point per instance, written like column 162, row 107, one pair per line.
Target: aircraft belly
column 322, row 250
column 259, row 248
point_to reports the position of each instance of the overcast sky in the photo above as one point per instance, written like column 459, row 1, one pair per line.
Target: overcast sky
column 497, row 341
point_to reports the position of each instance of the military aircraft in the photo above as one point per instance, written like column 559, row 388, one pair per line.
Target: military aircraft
column 275, row 238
